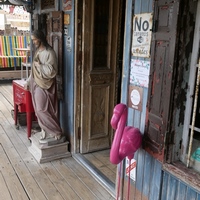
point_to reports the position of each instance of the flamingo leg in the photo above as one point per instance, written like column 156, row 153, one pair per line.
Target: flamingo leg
column 119, row 175
column 129, row 178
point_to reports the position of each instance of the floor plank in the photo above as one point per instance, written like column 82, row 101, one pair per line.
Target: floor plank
column 11, row 180
column 4, row 192
column 89, row 182
column 33, row 168
column 102, row 165
column 61, row 185
column 28, row 181
column 22, row 177
column 74, row 181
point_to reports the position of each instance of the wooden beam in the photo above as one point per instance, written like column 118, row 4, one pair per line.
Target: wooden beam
column 14, row 74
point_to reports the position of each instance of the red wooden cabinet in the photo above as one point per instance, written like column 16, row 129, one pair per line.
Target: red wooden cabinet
column 23, row 103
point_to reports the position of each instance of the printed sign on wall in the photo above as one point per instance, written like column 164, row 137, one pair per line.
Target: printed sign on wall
column 69, row 43
column 142, row 25
column 66, row 19
column 131, row 168
column 135, row 97
column 139, row 72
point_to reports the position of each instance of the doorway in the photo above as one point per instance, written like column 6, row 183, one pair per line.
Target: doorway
column 99, row 52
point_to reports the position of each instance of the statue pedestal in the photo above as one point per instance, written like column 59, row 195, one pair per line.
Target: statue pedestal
column 45, row 153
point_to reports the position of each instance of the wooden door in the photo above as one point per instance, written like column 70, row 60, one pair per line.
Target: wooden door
column 161, row 77
column 97, row 72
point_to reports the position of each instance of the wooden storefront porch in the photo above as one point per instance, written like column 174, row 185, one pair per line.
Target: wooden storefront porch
column 22, row 177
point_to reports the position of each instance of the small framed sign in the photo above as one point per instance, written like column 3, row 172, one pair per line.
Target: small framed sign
column 135, row 97
column 66, row 19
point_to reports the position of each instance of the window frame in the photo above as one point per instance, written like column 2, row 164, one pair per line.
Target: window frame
column 191, row 88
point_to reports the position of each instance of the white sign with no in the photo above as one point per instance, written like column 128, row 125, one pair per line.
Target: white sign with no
column 142, row 25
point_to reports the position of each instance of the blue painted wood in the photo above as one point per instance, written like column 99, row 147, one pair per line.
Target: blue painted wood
column 191, row 194
column 150, row 6
column 127, row 52
column 148, row 168
column 143, row 113
column 131, row 113
column 165, row 185
column 156, row 180
column 137, row 119
column 67, row 105
column 139, row 169
column 181, row 191
column 198, row 196
column 137, row 6
column 171, row 188
column 144, row 6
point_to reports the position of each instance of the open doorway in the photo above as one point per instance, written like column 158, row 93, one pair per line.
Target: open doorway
column 100, row 33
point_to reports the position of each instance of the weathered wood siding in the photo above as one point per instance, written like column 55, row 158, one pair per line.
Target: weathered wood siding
column 67, row 104
column 152, row 182
column 174, row 189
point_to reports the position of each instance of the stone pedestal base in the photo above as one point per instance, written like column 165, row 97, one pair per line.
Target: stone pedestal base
column 44, row 153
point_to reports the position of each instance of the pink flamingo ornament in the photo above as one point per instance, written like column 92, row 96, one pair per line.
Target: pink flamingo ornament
column 126, row 141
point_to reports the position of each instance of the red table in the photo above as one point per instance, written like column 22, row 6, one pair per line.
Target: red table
column 23, row 103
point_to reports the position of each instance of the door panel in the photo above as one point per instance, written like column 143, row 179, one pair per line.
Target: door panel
column 161, row 77
column 100, row 25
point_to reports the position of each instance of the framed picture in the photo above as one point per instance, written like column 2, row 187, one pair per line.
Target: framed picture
column 135, row 97
column 48, row 5
column 67, row 5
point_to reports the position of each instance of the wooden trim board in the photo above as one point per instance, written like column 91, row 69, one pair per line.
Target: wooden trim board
column 14, row 74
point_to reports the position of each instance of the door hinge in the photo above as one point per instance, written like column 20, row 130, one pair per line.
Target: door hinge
column 79, row 133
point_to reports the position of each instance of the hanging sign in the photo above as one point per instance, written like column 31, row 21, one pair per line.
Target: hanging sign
column 141, row 40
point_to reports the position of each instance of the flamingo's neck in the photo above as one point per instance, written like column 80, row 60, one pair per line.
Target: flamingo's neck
column 115, row 157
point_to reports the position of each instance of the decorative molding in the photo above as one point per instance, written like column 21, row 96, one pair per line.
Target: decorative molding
column 100, row 78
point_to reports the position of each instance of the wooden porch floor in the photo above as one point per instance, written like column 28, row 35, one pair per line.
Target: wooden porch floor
column 22, row 177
